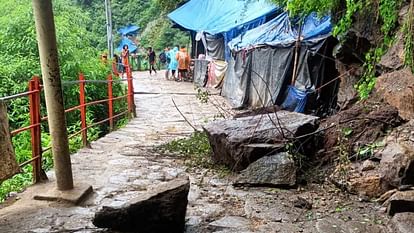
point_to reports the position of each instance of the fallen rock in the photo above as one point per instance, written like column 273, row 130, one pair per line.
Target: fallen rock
column 239, row 142
column 274, row 170
column 397, row 158
column 401, row 223
column 369, row 165
column 394, row 58
column 161, row 210
column 397, row 89
column 302, row 203
column 351, row 178
column 366, row 186
column 401, row 202
column 349, row 74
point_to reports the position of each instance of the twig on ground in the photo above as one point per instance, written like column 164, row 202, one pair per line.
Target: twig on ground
column 186, row 120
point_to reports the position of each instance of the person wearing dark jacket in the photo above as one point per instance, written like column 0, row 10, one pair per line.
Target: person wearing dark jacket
column 151, row 58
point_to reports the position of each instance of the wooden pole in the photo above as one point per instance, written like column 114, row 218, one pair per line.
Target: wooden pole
column 296, row 58
column 46, row 38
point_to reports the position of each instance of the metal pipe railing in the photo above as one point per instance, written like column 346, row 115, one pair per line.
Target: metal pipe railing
column 34, row 93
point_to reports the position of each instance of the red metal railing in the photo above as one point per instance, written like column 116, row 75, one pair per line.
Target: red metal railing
column 34, row 95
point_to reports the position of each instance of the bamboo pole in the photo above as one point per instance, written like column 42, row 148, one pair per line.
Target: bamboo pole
column 296, row 58
column 46, row 38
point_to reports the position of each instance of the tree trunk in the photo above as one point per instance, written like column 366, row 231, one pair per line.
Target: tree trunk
column 8, row 164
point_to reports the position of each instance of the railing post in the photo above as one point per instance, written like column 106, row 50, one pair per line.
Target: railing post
column 34, row 100
column 82, row 103
column 110, row 103
column 131, row 101
column 114, row 68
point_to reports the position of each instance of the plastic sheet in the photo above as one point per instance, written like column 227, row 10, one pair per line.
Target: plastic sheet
column 131, row 45
column 129, row 30
column 295, row 100
column 218, row 16
column 279, row 32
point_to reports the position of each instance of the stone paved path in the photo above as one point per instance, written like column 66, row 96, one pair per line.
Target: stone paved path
column 122, row 165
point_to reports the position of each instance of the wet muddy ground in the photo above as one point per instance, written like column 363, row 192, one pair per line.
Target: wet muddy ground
column 123, row 164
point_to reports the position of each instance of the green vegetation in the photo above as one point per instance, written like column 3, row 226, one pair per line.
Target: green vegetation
column 20, row 61
column 196, row 151
column 149, row 15
column 196, row 148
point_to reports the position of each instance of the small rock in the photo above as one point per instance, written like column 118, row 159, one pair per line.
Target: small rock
column 401, row 202
column 302, row 203
column 369, row 165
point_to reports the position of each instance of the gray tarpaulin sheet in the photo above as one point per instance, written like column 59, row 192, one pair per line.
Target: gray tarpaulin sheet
column 8, row 164
column 260, row 77
column 215, row 46
column 200, row 72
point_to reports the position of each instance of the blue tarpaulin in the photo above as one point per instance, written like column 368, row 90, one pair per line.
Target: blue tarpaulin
column 129, row 30
column 125, row 41
column 229, row 18
column 219, row 16
column 280, row 32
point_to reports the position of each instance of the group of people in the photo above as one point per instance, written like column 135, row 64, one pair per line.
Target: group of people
column 177, row 62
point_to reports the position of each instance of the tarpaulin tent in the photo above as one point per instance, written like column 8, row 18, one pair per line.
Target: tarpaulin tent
column 226, row 18
column 280, row 32
column 262, row 66
column 131, row 45
column 129, row 30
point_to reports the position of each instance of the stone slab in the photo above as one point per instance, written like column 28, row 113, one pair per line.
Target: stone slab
column 74, row 196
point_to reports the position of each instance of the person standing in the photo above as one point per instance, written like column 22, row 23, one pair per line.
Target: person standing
column 125, row 58
column 173, row 63
column 151, row 57
column 183, row 63
column 167, row 62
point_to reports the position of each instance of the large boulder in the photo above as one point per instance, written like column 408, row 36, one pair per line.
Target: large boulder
column 397, row 158
column 397, row 89
column 274, row 170
column 239, row 142
column 161, row 210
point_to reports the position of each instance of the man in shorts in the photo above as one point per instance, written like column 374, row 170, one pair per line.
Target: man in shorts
column 183, row 63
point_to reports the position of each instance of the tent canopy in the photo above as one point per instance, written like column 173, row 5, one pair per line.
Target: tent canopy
column 125, row 41
column 128, row 30
column 219, row 16
column 281, row 32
